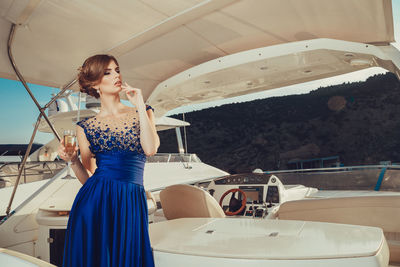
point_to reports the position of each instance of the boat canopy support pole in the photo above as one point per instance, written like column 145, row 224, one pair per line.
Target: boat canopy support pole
column 179, row 140
column 41, row 110
column 23, row 164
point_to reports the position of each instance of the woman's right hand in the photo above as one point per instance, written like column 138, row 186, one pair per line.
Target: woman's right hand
column 64, row 155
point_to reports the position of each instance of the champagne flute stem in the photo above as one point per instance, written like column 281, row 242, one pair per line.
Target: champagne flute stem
column 69, row 168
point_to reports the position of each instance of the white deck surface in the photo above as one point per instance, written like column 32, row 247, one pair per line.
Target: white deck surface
column 17, row 259
column 8, row 260
column 23, row 192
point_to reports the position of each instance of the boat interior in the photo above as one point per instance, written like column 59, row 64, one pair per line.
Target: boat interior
column 185, row 52
column 246, row 220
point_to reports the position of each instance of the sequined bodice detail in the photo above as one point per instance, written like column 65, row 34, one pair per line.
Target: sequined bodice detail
column 113, row 134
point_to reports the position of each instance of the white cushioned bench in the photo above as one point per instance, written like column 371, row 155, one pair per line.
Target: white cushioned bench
column 378, row 211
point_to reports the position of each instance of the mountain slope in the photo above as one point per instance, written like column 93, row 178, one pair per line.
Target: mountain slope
column 359, row 122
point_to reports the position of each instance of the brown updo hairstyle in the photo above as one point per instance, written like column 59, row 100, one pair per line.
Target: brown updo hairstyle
column 92, row 71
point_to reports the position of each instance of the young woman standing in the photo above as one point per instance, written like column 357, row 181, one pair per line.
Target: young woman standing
column 108, row 224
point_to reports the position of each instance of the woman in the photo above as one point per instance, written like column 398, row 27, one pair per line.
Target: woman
column 108, row 224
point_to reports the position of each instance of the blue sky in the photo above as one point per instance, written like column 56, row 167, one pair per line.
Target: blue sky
column 19, row 113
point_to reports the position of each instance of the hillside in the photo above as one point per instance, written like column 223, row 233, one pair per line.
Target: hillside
column 359, row 122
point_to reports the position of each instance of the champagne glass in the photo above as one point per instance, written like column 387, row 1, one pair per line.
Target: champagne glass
column 69, row 144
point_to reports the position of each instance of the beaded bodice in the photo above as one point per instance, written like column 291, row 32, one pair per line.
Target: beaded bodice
column 113, row 134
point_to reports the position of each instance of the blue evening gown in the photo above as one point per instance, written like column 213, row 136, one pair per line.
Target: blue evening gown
column 108, row 222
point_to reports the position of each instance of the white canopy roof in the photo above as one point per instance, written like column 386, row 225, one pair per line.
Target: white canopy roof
column 156, row 40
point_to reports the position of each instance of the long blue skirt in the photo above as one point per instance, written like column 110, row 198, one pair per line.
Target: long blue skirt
column 108, row 224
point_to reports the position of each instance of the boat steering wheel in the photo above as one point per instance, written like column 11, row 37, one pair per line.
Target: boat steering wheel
column 233, row 199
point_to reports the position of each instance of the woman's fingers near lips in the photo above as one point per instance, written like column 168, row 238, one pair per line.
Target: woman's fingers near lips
column 127, row 91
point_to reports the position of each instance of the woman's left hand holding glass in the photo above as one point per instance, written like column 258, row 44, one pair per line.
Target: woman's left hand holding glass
column 68, row 157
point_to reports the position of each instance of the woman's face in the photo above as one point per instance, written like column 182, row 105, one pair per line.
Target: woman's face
column 111, row 81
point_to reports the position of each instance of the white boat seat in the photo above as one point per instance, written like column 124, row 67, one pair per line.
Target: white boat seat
column 378, row 211
column 186, row 201
column 151, row 203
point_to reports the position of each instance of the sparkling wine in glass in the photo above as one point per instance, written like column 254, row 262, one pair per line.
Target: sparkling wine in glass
column 69, row 144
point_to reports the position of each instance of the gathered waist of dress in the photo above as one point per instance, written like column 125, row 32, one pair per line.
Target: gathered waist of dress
column 125, row 166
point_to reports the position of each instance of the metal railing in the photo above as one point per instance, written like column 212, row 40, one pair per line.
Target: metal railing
column 174, row 157
column 31, row 169
column 333, row 169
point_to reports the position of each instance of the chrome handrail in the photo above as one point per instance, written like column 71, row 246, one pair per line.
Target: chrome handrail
column 342, row 168
column 169, row 157
column 32, row 165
